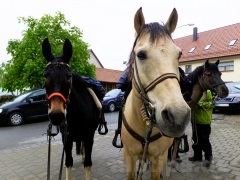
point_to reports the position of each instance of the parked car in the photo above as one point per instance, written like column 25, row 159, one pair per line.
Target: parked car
column 27, row 106
column 232, row 101
column 112, row 100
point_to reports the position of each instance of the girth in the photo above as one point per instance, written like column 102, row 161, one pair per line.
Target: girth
column 137, row 136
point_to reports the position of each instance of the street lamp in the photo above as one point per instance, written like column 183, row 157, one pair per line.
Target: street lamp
column 186, row 25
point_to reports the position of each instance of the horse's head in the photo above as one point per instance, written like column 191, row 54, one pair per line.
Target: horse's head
column 153, row 66
column 211, row 79
column 58, row 80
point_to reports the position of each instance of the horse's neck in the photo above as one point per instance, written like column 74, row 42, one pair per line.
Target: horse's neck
column 196, row 95
column 133, row 114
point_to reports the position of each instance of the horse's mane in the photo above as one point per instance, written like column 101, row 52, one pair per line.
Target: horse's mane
column 78, row 81
column 156, row 31
column 193, row 76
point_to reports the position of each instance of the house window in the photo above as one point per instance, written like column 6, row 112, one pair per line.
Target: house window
column 188, row 69
column 191, row 50
column 208, row 46
column 226, row 66
column 232, row 42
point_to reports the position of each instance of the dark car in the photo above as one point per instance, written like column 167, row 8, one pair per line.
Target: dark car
column 28, row 106
column 232, row 101
column 112, row 100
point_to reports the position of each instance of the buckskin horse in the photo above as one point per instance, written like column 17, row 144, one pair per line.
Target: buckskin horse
column 70, row 103
column 155, row 110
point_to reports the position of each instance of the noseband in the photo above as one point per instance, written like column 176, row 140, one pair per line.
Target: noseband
column 149, row 108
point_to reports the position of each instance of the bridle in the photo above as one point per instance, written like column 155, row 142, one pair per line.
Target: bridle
column 205, row 84
column 148, row 111
column 148, row 106
column 63, row 124
column 65, row 100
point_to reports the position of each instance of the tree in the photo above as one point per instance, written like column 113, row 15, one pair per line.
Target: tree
column 25, row 69
column 2, row 69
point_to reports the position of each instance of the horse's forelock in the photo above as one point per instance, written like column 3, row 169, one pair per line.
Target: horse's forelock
column 156, row 31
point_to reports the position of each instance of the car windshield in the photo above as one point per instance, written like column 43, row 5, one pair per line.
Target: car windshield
column 112, row 93
column 234, row 87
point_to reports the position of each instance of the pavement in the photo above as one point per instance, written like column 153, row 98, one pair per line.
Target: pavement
column 30, row 163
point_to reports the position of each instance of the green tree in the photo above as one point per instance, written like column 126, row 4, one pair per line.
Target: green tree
column 25, row 69
column 2, row 69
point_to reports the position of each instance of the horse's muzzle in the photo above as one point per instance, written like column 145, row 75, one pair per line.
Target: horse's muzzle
column 56, row 118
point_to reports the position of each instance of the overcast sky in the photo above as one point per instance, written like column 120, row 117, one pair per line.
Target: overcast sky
column 107, row 25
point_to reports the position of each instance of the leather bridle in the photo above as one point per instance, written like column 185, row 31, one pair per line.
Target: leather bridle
column 205, row 84
column 65, row 100
column 149, row 108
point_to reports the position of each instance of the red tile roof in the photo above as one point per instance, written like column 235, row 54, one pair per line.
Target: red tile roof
column 108, row 75
column 218, row 38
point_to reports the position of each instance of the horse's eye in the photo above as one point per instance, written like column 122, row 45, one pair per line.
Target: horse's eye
column 142, row 55
column 209, row 75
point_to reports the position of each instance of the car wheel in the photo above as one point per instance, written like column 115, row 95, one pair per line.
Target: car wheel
column 111, row 107
column 15, row 119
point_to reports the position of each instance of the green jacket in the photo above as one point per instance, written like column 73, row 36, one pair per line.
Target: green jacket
column 204, row 109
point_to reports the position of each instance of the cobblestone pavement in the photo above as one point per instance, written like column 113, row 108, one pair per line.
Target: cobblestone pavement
column 30, row 163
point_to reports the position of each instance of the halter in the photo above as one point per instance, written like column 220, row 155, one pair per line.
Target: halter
column 202, row 80
column 65, row 100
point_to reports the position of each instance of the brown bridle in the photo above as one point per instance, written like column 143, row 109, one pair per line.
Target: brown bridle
column 150, row 109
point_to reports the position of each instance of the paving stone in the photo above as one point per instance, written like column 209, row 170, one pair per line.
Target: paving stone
column 27, row 163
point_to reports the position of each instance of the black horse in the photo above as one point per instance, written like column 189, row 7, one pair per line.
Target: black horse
column 70, row 103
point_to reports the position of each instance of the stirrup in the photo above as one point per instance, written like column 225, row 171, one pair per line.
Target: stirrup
column 114, row 142
column 101, row 126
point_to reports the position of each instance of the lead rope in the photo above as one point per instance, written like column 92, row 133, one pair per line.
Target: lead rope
column 141, row 164
column 175, row 147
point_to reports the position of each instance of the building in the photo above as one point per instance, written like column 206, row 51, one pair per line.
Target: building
column 218, row 44
column 107, row 77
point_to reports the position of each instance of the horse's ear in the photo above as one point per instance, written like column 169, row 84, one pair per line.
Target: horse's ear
column 217, row 62
column 206, row 63
column 139, row 21
column 67, row 51
column 172, row 21
column 46, row 50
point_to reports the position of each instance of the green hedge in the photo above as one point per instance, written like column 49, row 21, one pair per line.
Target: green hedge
column 6, row 98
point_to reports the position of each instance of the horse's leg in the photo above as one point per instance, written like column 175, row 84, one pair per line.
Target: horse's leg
column 130, row 163
column 157, row 166
column 88, row 144
column 69, row 158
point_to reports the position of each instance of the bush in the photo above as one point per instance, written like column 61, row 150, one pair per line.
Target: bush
column 6, row 98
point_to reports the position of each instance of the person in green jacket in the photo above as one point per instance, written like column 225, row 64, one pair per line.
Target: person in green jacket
column 202, row 129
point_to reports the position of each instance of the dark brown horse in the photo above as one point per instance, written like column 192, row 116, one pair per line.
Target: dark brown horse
column 203, row 78
column 70, row 103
